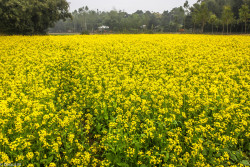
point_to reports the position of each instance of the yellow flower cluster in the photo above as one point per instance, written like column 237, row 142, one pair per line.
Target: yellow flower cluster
column 125, row 100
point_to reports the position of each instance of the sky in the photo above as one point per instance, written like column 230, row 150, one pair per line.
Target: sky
column 129, row 6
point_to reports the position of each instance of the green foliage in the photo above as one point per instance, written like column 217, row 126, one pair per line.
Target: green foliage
column 244, row 14
column 213, row 18
column 203, row 14
column 226, row 11
column 31, row 17
column 200, row 14
column 227, row 16
column 85, row 32
column 196, row 16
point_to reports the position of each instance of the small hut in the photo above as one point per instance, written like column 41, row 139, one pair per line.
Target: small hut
column 103, row 28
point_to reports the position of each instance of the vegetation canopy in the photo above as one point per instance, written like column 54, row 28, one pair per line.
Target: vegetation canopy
column 31, row 16
column 203, row 16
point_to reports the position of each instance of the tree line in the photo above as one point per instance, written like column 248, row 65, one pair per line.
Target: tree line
column 205, row 16
column 224, row 16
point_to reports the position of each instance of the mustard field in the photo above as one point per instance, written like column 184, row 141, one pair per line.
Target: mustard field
column 125, row 100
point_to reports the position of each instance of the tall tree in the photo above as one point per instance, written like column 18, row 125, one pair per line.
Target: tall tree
column 195, row 15
column 213, row 20
column 217, row 24
column 244, row 15
column 186, row 7
column 178, row 17
column 165, row 20
column 83, row 11
column 31, row 17
column 203, row 15
column 227, row 16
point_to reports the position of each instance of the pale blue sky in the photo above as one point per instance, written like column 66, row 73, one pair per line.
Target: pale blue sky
column 129, row 6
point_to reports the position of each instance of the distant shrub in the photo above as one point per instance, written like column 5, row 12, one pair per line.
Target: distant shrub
column 85, row 32
column 149, row 32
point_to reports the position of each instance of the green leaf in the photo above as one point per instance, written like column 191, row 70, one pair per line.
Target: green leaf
column 68, row 146
column 110, row 157
column 232, row 157
column 143, row 165
column 50, row 159
column 218, row 155
column 115, row 104
column 98, row 127
column 204, row 151
column 37, row 164
column 167, row 157
column 245, row 162
column 123, row 164
column 238, row 154
column 44, row 161
column 106, row 116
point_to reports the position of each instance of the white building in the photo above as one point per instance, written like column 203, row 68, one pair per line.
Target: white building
column 102, row 28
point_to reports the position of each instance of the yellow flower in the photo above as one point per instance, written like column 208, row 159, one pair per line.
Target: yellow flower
column 52, row 164
column 157, row 99
column 30, row 165
column 30, row 155
column 71, row 138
